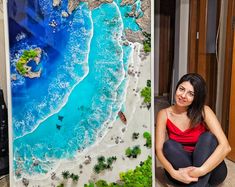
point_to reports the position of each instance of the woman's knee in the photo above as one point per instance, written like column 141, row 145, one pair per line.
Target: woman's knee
column 174, row 153
column 170, row 146
column 207, row 138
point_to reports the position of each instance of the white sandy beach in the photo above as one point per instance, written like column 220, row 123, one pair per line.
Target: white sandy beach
column 118, row 136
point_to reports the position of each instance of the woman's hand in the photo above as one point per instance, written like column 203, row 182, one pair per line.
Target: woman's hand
column 196, row 172
column 182, row 175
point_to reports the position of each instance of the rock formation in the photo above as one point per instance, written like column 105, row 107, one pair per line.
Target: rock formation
column 134, row 36
column 56, row 3
column 72, row 5
column 144, row 22
column 127, row 2
column 94, row 3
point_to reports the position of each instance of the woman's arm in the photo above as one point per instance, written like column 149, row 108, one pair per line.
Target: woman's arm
column 160, row 139
column 221, row 150
column 181, row 174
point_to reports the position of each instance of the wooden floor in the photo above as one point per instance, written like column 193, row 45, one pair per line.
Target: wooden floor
column 161, row 180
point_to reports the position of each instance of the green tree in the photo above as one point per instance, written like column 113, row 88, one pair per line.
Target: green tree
column 101, row 159
column 60, row 185
column 147, row 42
column 103, row 164
column 114, row 158
column 141, row 176
column 133, row 152
column 65, row 174
column 146, row 93
column 135, row 135
column 147, row 136
column 115, row 185
column 128, row 152
column 91, row 184
column 97, row 168
column 148, row 83
column 101, row 183
column 136, row 151
column 147, row 47
column 74, row 177
column 109, row 162
column 27, row 54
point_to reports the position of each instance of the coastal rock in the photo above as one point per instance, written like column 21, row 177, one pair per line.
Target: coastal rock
column 145, row 21
column 38, row 57
column 31, row 74
column 36, row 163
column 64, row 14
column 87, row 161
column 25, row 182
column 72, row 5
column 53, row 176
column 56, row 3
column 96, row 3
column 133, row 11
column 134, row 36
column 127, row 2
column 126, row 43
column 53, row 23
column 18, row 172
column 137, row 14
column 13, row 77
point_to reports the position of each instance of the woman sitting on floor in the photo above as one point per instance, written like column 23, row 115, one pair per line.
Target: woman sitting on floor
column 195, row 151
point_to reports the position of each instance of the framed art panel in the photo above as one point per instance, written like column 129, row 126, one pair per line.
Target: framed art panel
column 79, row 92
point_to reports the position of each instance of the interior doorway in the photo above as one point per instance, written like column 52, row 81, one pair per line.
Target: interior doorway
column 231, row 129
column 229, row 79
column 166, row 49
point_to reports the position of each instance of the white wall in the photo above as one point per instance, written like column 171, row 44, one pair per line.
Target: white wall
column 156, row 46
column 181, row 41
column 2, row 54
column 221, row 58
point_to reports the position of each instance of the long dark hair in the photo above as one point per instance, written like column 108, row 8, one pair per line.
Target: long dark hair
column 195, row 111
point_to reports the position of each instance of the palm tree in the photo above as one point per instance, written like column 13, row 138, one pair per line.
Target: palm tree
column 97, row 169
column 91, row 184
column 61, row 185
column 135, row 135
column 133, row 152
column 65, row 174
column 109, row 162
column 101, row 159
column 114, row 158
column 74, row 177
column 147, row 136
column 136, row 151
column 128, row 152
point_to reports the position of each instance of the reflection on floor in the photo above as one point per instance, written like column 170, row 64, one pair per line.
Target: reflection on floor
column 4, row 181
column 161, row 180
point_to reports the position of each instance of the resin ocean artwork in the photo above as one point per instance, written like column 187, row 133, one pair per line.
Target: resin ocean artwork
column 80, row 82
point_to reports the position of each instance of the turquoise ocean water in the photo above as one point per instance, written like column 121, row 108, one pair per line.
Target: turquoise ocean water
column 82, row 85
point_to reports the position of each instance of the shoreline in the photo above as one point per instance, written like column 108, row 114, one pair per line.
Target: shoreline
column 100, row 134
column 110, row 141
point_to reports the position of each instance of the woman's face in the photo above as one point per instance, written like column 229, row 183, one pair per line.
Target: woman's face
column 184, row 94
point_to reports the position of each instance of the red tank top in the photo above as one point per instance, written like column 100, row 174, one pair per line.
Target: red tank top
column 187, row 138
